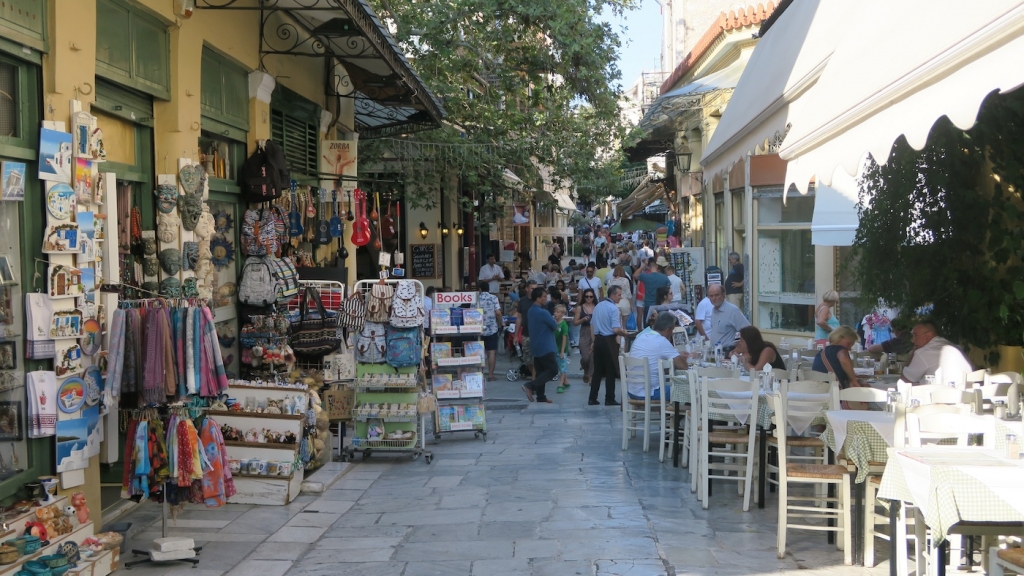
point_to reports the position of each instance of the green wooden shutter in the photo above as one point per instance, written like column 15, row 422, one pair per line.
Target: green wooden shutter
column 298, row 138
column 224, row 91
column 132, row 48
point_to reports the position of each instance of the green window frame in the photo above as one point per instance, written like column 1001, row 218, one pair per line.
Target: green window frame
column 224, row 93
column 295, row 125
column 137, row 108
column 133, row 48
column 23, row 147
column 24, row 22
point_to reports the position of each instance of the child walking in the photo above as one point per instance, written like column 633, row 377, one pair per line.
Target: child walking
column 562, row 347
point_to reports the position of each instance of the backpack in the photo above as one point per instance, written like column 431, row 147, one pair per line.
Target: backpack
column 265, row 174
column 287, row 278
column 371, row 343
column 259, row 232
column 407, row 308
column 378, row 303
column 258, row 286
column 404, row 346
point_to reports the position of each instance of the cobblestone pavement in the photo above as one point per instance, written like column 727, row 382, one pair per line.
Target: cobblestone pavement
column 548, row 492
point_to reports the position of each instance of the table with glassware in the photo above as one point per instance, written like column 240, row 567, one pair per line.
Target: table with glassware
column 954, row 485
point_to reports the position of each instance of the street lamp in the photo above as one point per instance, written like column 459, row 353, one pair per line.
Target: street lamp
column 683, row 160
column 423, row 231
column 444, row 230
column 458, row 228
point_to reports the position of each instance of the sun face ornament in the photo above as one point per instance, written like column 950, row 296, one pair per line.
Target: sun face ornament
column 222, row 251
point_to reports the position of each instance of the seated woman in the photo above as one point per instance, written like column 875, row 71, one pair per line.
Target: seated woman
column 835, row 358
column 756, row 352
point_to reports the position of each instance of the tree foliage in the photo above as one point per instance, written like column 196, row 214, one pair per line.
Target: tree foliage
column 524, row 83
column 942, row 226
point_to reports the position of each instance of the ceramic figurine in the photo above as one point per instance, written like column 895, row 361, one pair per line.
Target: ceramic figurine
column 81, row 510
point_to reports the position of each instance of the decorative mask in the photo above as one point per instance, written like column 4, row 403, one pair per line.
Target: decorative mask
column 166, row 197
column 189, row 255
column 170, row 260
column 190, row 206
column 191, row 177
column 151, row 287
column 205, row 226
column 190, row 288
column 167, row 227
column 149, row 246
column 170, row 287
column 150, row 266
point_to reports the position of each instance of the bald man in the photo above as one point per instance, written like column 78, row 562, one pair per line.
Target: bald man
column 726, row 318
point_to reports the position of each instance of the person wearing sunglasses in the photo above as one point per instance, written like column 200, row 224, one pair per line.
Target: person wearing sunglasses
column 582, row 314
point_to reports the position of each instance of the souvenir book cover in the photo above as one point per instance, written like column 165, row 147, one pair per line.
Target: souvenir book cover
column 442, row 382
column 458, row 385
column 474, row 349
column 439, row 318
column 474, row 382
column 441, row 350
column 473, row 317
column 475, row 414
column 445, row 417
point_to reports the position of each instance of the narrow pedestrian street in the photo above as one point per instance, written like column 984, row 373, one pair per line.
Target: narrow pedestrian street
column 549, row 492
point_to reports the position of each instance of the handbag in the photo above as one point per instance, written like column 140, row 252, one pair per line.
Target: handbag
column 631, row 322
column 353, row 313
column 345, row 363
column 316, row 333
column 378, row 305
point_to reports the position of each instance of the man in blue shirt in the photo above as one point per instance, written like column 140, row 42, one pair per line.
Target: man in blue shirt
column 541, row 326
column 606, row 324
column 652, row 280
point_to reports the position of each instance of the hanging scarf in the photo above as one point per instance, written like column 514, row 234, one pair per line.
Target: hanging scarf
column 129, row 452
column 131, row 341
column 169, row 361
column 211, row 344
column 154, row 370
column 115, row 360
column 185, row 460
column 140, row 481
column 217, row 483
column 190, row 351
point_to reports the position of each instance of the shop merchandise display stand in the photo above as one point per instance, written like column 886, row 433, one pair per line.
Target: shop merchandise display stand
column 371, row 394
column 450, row 416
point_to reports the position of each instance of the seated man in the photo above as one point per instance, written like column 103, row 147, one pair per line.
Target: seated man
column 933, row 352
column 654, row 344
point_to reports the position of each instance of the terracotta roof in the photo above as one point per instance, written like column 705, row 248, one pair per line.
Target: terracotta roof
column 749, row 16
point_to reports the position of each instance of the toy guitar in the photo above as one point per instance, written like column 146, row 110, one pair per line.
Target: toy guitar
column 336, row 221
column 294, row 218
column 373, row 216
column 361, row 227
column 387, row 225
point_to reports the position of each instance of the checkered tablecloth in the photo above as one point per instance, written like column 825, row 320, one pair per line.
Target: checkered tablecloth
column 863, row 444
column 681, row 393
column 952, row 485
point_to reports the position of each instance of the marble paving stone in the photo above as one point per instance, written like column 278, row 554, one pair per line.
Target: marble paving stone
column 437, row 568
column 297, row 534
column 563, row 568
column 444, row 481
column 278, row 551
column 310, row 519
column 688, row 555
column 454, row 462
column 372, row 531
column 502, row 567
column 463, row 550
column 342, row 494
column 489, row 530
column 519, row 511
column 347, row 569
column 330, row 506
column 444, row 533
column 262, row 520
column 358, row 519
column 462, row 501
column 357, row 543
column 351, row 555
column 262, row 567
column 629, row 567
column 147, row 537
column 609, row 548
column 456, row 516
column 536, row 548
column 351, row 483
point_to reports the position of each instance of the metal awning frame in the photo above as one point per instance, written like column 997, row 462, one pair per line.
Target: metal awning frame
column 399, row 103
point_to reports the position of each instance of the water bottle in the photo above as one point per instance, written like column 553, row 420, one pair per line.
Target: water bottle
column 891, row 399
column 1012, row 447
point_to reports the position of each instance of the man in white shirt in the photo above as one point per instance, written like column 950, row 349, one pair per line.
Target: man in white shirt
column 655, row 344
column 591, row 281
column 931, row 353
column 702, row 316
column 492, row 274
column 675, row 284
column 645, row 253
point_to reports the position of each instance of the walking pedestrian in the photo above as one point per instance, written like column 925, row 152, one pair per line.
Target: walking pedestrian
column 493, row 322
column 583, row 313
column 523, row 325
column 606, row 325
column 562, row 347
column 542, row 341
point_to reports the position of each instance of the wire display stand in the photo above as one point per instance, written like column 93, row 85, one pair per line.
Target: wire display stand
column 459, row 392
column 384, row 414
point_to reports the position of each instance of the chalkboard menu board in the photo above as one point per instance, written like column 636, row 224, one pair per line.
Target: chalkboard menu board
column 424, row 260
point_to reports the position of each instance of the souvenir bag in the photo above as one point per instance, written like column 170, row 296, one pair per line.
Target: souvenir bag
column 287, row 279
column 265, row 174
column 315, row 333
column 378, row 304
column 353, row 313
column 404, row 346
column 407, row 307
column 371, row 343
column 259, row 233
column 258, row 286
column 345, row 363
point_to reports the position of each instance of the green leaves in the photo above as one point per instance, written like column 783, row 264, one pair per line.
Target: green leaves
column 943, row 226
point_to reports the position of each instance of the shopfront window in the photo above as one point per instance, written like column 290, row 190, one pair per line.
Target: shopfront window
column 719, row 255
column 850, row 310
column 14, row 457
column 785, row 262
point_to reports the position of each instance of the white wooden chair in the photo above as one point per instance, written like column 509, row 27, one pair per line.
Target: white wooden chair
column 858, row 394
column 694, row 376
column 815, row 376
column 790, row 504
column 635, row 371
column 811, row 443
column 1010, row 377
column 955, row 397
column 1001, row 560
column 741, row 406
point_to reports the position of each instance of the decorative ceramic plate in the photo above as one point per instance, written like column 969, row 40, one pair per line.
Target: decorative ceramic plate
column 94, row 385
column 60, row 201
column 223, row 222
column 71, row 395
column 91, row 338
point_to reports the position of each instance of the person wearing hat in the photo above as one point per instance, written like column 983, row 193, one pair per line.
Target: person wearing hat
column 652, row 279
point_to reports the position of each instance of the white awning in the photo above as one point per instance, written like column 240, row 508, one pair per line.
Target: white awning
column 898, row 68
column 835, row 217
column 786, row 62
column 675, row 103
column 564, row 201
